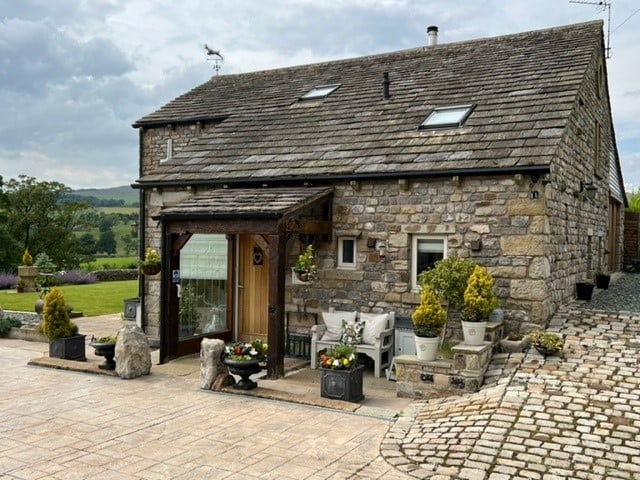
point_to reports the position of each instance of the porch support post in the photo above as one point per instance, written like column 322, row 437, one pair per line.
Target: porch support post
column 276, row 333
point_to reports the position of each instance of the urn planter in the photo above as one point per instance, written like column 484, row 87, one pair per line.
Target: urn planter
column 68, row 348
column 244, row 369
column 343, row 385
column 108, row 351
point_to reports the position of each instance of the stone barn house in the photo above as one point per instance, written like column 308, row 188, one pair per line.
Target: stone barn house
column 499, row 149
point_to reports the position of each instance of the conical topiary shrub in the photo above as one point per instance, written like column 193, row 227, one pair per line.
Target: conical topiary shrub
column 55, row 317
column 479, row 299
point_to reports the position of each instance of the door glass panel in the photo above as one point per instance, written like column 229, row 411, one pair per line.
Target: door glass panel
column 203, row 285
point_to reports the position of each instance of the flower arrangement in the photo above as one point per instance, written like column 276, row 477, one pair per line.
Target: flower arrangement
column 479, row 299
column 151, row 263
column 547, row 343
column 340, row 357
column 429, row 317
column 242, row 351
column 306, row 267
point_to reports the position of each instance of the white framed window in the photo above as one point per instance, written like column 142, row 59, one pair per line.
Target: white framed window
column 321, row 91
column 347, row 252
column 447, row 117
column 426, row 250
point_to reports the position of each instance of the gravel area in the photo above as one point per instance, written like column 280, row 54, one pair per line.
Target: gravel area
column 623, row 294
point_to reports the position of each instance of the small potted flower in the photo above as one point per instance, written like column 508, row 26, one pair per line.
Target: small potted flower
column 305, row 268
column 547, row 343
column 341, row 375
column 244, row 359
column 151, row 263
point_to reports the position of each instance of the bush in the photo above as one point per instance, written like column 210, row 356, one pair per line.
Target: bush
column 55, row 317
column 448, row 278
column 7, row 324
column 115, row 275
column 76, row 277
column 8, row 280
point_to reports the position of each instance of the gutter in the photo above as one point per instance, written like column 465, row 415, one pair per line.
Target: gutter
column 466, row 172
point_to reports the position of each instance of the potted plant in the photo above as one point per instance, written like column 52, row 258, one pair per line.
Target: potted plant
column 244, row 359
column 151, row 263
column 305, row 268
column 429, row 319
column 28, row 272
column 64, row 340
column 105, row 347
column 602, row 279
column 584, row 290
column 479, row 302
column 340, row 374
column 547, row 343
column 188, row 312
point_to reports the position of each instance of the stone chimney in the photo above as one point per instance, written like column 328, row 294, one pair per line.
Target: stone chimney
column 432, row 35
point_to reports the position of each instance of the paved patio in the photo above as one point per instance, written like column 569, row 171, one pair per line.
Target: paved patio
column 570, row 417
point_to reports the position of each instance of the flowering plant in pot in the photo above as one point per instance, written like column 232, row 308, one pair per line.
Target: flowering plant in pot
column 243, row 359
column 151, row 263
column 547, row 343
column 429, row 319
column 340, row 357
column 340, row 374
column 305, row 267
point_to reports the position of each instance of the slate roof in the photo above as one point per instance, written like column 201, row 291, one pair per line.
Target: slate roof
column 523, row 85
column 249, row 202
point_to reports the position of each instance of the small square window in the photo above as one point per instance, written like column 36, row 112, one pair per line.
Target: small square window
column 425, row 252
column 446, row 117
column 347, row 252
column 321, row 91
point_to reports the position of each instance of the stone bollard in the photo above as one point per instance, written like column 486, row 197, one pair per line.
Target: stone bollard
column 214, row 375
column 133, row 354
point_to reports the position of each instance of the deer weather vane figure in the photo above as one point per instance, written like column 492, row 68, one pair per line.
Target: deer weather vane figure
column 214, row 55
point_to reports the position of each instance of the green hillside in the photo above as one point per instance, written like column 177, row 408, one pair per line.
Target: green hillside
column 124, row 193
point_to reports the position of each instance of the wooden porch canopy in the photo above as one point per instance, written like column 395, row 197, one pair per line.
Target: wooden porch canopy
column 272, row 216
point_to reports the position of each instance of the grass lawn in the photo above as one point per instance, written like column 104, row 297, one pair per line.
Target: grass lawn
column 100, row 298
column 111, row 262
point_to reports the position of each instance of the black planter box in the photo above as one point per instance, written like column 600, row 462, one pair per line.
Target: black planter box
column 342, row 384
column 70, row 348
column 584, row 290
column 602, row 281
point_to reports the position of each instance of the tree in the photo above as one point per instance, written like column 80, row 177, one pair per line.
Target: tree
column 10, row 251
column 39, row 220
column 107, row 242
column 634, row 201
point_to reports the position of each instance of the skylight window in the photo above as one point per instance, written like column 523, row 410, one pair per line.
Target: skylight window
column 321, row 91
column 447, row 117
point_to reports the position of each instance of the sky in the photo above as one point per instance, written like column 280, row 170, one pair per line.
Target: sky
column 76, row 74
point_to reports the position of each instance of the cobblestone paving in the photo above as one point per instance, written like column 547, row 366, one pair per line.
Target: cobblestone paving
column 571, row 417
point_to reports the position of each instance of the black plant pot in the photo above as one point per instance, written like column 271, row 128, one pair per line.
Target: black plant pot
column 342, row 384
column 244, row 369
column 108, row 351
column 69, row 348
column 584, row 290
column 602, row 281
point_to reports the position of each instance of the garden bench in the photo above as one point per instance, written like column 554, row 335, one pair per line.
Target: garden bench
column 378, row 336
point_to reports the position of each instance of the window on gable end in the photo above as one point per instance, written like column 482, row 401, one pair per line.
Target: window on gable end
column 447, row 117
column 321, row 91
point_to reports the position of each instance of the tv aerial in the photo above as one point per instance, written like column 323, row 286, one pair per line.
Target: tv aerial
column 214, row 55
column 604, row 5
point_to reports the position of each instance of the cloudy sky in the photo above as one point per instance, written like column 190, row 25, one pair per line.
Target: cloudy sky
column 75, row 74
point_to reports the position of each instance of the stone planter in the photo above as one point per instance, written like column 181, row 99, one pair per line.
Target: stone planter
column 427, row 348
column 343, row 385
column 28, row 275
column 515, row 346
column 69, row 348
column 473, row 333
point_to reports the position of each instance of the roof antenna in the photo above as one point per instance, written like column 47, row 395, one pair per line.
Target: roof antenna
column 604, row 4
column 217, row 57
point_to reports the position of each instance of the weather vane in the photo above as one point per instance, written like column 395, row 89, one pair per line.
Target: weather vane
column 214, row 55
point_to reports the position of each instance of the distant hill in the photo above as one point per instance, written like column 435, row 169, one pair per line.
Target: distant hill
column 124, row 196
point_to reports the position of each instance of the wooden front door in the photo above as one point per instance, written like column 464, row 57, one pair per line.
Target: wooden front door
column 253, row 288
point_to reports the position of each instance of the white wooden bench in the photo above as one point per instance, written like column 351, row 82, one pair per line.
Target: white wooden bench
column 380, row 350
